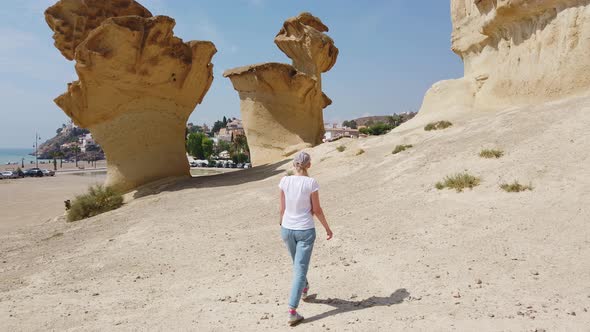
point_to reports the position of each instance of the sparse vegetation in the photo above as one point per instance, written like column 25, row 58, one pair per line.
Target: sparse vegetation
column 515, row 187
column 438, row 125
column 341, row 148
column 99, row 199
column 458, row 182
column 491, row 153
column 400, row 148
column 359, row 152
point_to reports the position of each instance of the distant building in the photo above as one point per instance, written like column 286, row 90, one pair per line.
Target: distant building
column 233, row 128
column 70, row 145
column 224, row 135
column 87, row 142
column 334, row 132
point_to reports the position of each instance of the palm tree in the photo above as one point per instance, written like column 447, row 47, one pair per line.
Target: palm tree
column 76, row 150
column 240, row 145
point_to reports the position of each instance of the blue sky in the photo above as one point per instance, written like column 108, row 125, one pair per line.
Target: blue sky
column 391, row 52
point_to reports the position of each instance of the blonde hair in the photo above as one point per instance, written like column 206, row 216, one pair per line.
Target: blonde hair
column 301, row 161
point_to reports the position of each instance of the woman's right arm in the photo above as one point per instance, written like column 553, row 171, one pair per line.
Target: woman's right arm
column 316, row 209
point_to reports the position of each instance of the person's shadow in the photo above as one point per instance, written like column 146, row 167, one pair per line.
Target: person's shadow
column 342, row 306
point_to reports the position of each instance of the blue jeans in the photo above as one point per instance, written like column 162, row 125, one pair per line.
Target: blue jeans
column 300, row 246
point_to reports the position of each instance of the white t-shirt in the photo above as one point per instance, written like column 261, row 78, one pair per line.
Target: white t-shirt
column 298, row 191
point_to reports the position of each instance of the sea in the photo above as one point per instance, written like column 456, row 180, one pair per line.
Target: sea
column 15, row 156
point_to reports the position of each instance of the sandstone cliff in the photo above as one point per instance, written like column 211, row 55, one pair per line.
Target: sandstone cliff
column 282, row 105
column 518, row 52
column 138, row 85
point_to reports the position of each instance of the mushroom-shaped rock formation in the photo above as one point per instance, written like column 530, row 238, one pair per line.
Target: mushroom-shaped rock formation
column 282, row 105
column 138, row 85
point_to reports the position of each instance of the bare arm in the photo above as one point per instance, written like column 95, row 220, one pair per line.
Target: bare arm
column 282, row 208
column 316, row 209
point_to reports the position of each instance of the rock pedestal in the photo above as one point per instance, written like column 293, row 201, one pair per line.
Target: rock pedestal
column 282, row 105
column 138, row 85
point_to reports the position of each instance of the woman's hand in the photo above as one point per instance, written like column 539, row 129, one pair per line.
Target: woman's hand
column 329, row 234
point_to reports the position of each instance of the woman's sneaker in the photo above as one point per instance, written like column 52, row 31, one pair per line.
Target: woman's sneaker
column 294, row 319
column 304, row 294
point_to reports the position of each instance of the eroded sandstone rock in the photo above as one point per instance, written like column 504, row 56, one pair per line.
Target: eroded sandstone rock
column 138, row 85
column 523, row 51
column 282, row 105
column 72, row 20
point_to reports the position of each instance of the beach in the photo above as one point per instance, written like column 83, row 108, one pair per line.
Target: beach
column 32, row 201
column 206, row 254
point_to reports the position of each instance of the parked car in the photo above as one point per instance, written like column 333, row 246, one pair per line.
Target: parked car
column 48, row 172
column 34, row 172
column 193, row 163
column 240, row 165
column 9, row 175
column 247, row 165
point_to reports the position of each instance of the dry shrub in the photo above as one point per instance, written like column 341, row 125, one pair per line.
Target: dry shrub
column 515, row 187
column 341, row 148
column 438, row 125
column 491, row 153
column 458, row 182
column 400, row 148
column 359, row 152
column 99, row 199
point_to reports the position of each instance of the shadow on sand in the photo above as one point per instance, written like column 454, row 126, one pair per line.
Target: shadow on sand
column 342, row 306
column 219, row 180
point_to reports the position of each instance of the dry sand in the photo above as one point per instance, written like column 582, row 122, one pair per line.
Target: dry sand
column 30, row 201
column 206, row 254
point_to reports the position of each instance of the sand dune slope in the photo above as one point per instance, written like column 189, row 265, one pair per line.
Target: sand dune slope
column 206, row 255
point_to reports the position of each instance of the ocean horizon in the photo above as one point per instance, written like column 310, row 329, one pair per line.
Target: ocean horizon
column 16, row 155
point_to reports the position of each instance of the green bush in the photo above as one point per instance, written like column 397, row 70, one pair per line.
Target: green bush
column 438, row 125
column 515, row 187
column 341, row 148
column 400, row 148
column 491, row 153
column 98, row 200
column 376, row 129
column 458, row 182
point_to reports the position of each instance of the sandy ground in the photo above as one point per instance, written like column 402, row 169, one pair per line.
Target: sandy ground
column 205, row 254
column 30, row 201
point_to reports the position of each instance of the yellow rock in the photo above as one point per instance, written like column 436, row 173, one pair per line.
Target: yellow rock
column 282, row 105
column 138, row 85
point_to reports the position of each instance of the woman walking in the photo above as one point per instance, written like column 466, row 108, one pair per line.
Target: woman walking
column 300, row 201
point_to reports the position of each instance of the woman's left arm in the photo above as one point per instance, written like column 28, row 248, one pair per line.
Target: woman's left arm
column 282, row 208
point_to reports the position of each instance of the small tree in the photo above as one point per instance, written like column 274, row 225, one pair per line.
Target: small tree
column 217, row 126
column 207, row 145
column 221, row 146
column 194, row 145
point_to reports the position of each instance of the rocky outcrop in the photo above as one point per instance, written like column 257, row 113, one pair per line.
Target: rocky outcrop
column 282, row 105
column 519, row 52
column 72, row 20
column 138, row 85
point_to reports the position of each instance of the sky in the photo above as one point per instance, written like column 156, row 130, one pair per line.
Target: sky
column 391, row 52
